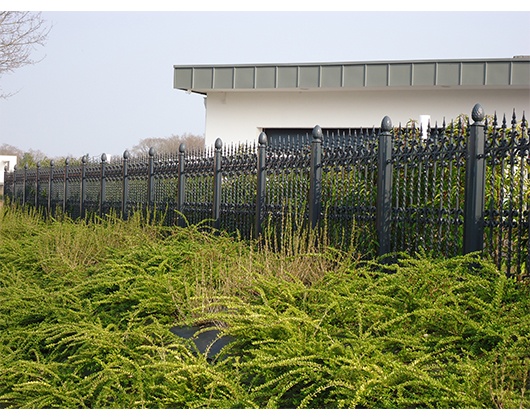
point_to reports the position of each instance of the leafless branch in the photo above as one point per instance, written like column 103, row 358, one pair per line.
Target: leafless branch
column 20, row 34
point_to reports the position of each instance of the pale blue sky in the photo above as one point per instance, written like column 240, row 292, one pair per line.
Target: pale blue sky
column 105, row 81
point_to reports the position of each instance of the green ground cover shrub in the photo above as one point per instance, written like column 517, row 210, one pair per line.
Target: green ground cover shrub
column 86, row 308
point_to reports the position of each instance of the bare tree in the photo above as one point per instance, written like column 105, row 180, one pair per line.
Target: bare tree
column 168, row 144
column 20, row 33
column 30, row 157
column 7, row 149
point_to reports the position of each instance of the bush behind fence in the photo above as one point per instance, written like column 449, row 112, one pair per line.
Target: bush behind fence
column 461, row 188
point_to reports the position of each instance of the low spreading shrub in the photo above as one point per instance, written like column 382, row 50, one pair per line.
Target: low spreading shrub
column 86, row 309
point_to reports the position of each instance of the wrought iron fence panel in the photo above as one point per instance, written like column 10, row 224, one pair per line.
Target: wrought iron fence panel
column 113, row 188
column 349, row 166
column 136, row 188
column 238, row 192
column 92, row 189
column 428, row 182
column 57, row 188
column 30, row 187
column 287, row 184
column 507, row 205
column 198, row 200
column 165, row 186
column 72, row 205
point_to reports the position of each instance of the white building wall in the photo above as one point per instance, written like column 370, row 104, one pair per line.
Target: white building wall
column 240, row 116
column 10, row 162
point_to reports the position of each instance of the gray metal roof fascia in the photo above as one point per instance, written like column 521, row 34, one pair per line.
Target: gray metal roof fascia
column 349, row 75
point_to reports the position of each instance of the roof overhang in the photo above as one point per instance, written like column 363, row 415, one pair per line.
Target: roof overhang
column 473, row 73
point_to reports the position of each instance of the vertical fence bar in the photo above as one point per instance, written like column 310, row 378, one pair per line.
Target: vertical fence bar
column 474, row 185
column 82, row 188
column 261, row 192
column 384, row 187
column 181, row 183
column 65, row 183
column 37, row 187
column 125, row 186
column 102, row 185
column 50, row 187
column 13, row 196
column 315, row 180
column 216, row 210
column 5, row 178
column 25, row 184
column 151, row 179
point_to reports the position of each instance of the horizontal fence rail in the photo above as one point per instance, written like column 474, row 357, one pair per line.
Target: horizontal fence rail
column 459, row 188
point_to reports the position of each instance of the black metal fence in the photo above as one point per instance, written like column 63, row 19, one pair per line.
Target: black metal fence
column 464, row 187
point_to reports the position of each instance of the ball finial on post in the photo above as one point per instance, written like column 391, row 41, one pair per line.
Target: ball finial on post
column 386, row 124
column 477, row 113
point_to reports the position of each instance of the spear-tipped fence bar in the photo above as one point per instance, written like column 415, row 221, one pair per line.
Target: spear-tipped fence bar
column 425, row 198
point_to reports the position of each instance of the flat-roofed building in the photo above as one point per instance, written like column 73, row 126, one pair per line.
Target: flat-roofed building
column 243, row 100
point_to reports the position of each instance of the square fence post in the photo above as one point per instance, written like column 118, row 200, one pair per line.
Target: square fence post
column 217, row 174
column 102, row 184
column 13, row 194
column 50, row 188
column 384, row 187
column 315, row 180
column 37, row 175
column 125, row 186
column 181, row 183
column 261, row 192
column 83, row 187
column 475, row 181
column 65, row 183
column 151, row 179
column 25, row 185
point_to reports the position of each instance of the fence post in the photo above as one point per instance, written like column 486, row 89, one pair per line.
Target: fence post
column 384, row 187
column 216, row 211
column 25, row 184
column 83, row 188
column 315, row 177
column 65, row 183
column 50, row 187
column 14, row 189
column 13, row 192
column 475, row 180
column 102, row 184
column 181, row 183
column 151, row 179
column 125, row 186
column 37, row 186
column 4, row 189
column 261, row 192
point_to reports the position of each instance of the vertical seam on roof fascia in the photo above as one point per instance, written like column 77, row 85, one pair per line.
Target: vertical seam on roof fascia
column 365, row 76
column 298, row 76
column 342, row 76
column 388, row 75
column 460, row 70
